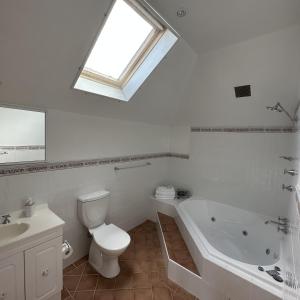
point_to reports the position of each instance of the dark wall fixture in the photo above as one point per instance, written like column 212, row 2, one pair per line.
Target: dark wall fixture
column 242, row 91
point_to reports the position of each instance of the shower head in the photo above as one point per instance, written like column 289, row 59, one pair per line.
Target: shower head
column 277, row 107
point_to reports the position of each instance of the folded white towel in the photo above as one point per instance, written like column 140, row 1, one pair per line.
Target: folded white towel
column 165, row 194
column 164, row 198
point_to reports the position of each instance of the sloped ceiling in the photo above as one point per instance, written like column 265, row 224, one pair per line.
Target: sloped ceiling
column 43, row 43
column 213, row 24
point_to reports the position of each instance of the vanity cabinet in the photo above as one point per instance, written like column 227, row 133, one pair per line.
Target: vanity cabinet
column 33, row 274
column 43, row 270
column 31, row 260
column 12, row 278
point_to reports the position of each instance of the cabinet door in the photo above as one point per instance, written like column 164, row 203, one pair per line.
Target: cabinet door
column 12, row 278
column 43, row 270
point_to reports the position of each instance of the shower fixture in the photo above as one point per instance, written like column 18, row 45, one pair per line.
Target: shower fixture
column 289, row 188
column 290, row 172
column 279, row 108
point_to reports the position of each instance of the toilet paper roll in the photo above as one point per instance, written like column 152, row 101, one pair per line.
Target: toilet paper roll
column 66, row 250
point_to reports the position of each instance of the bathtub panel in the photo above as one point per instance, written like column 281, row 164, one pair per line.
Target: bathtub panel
column 193, row 249
column 257, row 293
column 234, row 287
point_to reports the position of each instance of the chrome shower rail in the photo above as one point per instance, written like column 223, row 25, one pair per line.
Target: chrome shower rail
column 132, row 167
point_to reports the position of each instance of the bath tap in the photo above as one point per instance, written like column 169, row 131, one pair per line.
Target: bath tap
column 6, row 219
column 283, row 224
column 290, row 172
column 289, row 188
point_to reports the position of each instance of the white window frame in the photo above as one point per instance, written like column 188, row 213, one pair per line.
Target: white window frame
column 158, row 43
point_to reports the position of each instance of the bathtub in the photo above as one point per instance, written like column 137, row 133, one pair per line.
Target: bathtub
column 228, row 239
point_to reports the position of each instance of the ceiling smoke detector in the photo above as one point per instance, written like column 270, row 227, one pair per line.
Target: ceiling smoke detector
column 181, row 12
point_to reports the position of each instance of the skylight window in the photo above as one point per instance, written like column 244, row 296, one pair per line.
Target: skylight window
column 130, row 39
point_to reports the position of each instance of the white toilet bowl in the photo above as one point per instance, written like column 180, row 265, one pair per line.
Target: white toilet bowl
column 109, row 242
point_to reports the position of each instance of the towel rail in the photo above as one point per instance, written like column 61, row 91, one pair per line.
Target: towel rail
column 132, row 167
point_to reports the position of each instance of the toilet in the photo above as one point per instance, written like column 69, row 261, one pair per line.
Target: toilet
column 109, row 241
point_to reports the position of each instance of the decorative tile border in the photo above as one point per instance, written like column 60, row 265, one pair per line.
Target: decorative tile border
column 56, row 166
column 245, row 129
column 29, row 147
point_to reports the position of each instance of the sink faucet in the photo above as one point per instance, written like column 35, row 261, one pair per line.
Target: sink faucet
column 5, row 219
column 282, row 224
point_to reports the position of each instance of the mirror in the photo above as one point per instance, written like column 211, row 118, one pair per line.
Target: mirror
column 22, row 135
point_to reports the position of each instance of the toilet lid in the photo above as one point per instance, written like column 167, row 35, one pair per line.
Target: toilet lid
column 111, row 237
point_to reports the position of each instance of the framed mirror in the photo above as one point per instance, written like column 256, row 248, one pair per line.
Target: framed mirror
column 22, row 135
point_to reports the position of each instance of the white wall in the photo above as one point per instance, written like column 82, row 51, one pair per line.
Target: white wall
column 242, row 169
column 270, row 63
column 73, row 136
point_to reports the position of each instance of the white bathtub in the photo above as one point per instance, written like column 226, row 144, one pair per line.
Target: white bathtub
column 223, row 237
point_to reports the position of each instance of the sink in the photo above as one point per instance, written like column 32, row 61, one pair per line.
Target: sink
column 10, row 231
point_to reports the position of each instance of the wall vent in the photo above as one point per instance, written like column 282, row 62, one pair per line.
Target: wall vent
column 242, row 91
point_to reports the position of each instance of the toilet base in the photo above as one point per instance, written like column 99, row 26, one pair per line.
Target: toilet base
column 107, row 266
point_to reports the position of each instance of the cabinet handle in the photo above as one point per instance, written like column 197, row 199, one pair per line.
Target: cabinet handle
column 45, row 272
column 3, row 295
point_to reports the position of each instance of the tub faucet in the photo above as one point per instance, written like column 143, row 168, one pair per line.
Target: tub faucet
column 6, row 219
column 290, row 172
column 283, row 224
column 289, row 188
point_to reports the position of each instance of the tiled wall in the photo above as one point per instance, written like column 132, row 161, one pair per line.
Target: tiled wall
column 291, row 250
column 73, row 143
column 243, row 169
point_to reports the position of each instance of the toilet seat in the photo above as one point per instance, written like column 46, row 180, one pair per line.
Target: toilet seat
column 110, row 237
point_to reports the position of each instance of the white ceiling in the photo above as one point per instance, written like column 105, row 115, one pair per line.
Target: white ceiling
column 42, row 44
column 213, row 24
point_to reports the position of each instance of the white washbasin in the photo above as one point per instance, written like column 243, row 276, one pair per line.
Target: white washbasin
column 10, row 231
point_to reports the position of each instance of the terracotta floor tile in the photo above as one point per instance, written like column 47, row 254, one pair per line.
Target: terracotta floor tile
column 130, row 267
column 104, row 295
column 156, row 280
column 105, row 283
column 75, row 270
column 161, row 294
column 143, row 275
column 69, row 268
column 81, row 261
column 143, row 294
column 90, row 270
column 123, row 295
column 64, row 294
column 124, row 281
column 141, row 280
column 71, row 282
column 87, row 283
column 84, row 295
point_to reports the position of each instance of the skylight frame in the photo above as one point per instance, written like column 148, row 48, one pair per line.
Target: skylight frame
column 150, row 42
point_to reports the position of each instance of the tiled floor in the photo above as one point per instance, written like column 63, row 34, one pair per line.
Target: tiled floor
column 142, row 277
column 176, row 246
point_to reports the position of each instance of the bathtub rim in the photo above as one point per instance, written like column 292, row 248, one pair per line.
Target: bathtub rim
column 246, row 271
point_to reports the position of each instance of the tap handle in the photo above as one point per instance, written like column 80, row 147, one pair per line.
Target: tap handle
column 290, row 172
column 285, row 220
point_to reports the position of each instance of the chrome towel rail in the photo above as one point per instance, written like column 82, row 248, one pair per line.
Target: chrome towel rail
column 132, row 167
